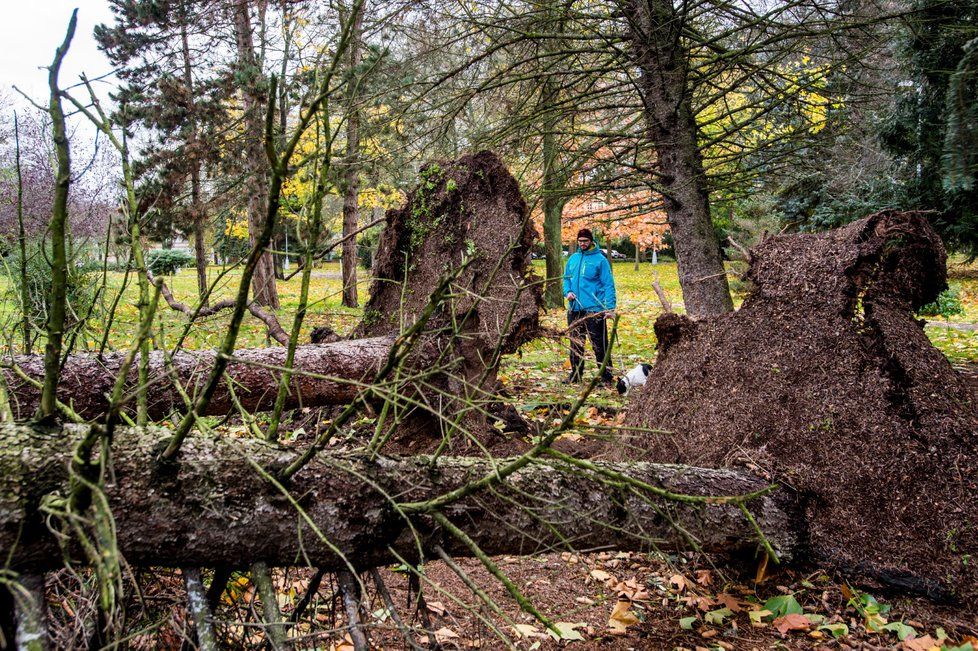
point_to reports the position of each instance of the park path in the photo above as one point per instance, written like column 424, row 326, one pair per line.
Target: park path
column 954, row 326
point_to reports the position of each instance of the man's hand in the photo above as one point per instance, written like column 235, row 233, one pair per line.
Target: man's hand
column 571, row 296
column 609, row 315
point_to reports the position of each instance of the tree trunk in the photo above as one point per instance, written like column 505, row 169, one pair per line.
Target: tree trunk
column 665, row 87
column 54, row 328
column 553, row 208
column 211, row 509
column 196, row 207
column 263, row 285
column 351, row 192
column 86, row 380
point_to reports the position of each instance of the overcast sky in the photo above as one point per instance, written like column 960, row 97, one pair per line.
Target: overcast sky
column 31, row 31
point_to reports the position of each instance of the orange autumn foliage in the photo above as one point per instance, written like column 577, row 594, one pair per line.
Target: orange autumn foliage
column 615, row 216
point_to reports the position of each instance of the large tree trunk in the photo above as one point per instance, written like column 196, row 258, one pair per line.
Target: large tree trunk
column 263, row 285
column 351, row 194
column 213, row 509
column 86, row 380
column 665, row 89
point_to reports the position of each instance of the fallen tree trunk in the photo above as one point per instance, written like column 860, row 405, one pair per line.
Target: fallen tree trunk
column 215, row 508
column 87, row 380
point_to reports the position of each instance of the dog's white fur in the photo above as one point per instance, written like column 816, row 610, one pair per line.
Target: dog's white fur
column 634, row 378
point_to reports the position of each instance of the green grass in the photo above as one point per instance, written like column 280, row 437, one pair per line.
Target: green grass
column 324, row 309
column 539, row 369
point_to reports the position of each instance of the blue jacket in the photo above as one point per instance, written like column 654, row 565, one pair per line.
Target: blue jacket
column 588, row 275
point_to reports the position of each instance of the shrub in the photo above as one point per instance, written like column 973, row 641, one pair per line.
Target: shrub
column 82, row 288
column 948, row 304
column 166, row 262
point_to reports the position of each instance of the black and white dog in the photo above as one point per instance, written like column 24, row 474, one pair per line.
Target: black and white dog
column 634, row 378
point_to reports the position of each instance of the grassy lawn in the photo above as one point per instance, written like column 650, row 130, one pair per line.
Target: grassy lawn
column 536, row 374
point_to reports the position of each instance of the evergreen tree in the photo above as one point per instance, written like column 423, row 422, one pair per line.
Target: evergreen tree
column 174, row 89
column 928, row 132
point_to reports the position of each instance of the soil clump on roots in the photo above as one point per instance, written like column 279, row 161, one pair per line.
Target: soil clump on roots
column 825, row 382
column 470, row 208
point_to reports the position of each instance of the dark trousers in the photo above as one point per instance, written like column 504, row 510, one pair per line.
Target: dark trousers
column 592, row 326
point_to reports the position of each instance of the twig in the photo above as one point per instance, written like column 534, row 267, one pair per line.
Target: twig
column 740, row 248
column 663, row 299
column 514, row 591
column 392, row 609
column 311, row 591
column 398, row 352
column 274, row 328
column 222, row 574
column 333, row 245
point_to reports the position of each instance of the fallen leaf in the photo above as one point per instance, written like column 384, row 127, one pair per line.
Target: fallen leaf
column 686, row 623
column 622, row 617
column 704, row 577
column 757, row 617
column 632, row 590
column 783, row 605
column 902, row 630
column 702, row 603
column 792, row 622
column 925, row 643
column 436, row 607
column 584, row 600
column 527, row 631
column 346, row 644
column 600, row 575
column 567, row 631
column 761, row 575
column 709, row 632
column 836, row 630
column 679, row 581
column 444, row 634
column 717, row 616
column 730, row 601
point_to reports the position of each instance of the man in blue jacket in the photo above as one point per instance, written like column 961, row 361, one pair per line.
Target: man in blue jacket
column 590, row 292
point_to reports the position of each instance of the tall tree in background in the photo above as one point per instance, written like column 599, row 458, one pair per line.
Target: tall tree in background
column 656, row 29
column 351, row 175
column 251, row 81
column 174, row 90
column 928, row 129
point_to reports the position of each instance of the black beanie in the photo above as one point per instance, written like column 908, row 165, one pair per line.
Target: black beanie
column 585, row 232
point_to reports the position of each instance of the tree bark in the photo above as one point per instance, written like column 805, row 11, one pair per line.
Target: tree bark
column 86, row 380
column 553, row 209
column 55, row 326
column 665, row 87
column 263, row 284
column 197, row 212
column 212, row 508
column 351, row 194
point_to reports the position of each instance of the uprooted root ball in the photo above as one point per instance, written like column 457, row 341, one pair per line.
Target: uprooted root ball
column 824, row 382
column 468, row 208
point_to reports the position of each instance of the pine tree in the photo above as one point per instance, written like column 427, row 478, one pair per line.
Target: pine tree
column 930, row 131
column 174, row 90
